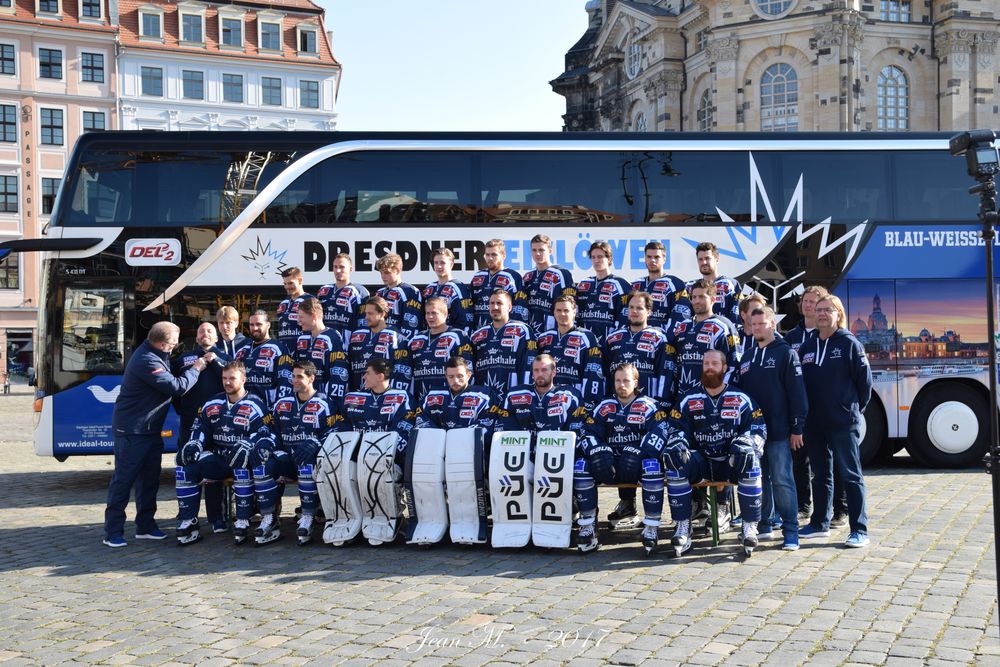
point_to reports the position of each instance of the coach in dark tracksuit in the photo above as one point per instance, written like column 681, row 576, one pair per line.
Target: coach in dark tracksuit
column 146, row 390
column 839, row 385
column 771, row 374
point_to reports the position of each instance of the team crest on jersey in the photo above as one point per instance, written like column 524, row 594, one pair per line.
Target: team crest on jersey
column 696, row 404
column 730, row 414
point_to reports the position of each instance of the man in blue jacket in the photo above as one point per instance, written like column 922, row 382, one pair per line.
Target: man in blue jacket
column 839, row 385
column 146, row 391
column 771, row 374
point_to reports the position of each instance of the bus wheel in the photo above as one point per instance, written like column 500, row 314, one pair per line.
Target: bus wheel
column 873, row 433
column 949, row 427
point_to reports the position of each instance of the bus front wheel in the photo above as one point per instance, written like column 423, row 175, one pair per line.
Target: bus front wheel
column 949, row 426
column 872, row 448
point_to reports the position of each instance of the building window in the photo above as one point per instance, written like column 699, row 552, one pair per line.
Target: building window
column 8, row 65
column 52, row 127
column 704, row 113
column 8, row 123
column 893, row 99
column 48, row 6
column 232, row 87
column 6, row 4
column 897, row 11
column 639, row 123
column 232, row 32
column 8, row 195
column 90, row 8
column 50, row 63
column 50, row 186
column 92, row 67
column 774, row 7
column 307, row 41
column 94, row 121
column 150, row 25
column 633, row 59
column 9, row 274
column 701, row 41
column 152, row 81
column 309, row 94
column 270, row 36
column 191, row 28
column 271, row 91
column 193, row 84
column 779, row 99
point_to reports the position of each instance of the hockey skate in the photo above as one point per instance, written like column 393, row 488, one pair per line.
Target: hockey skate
column 241, row 530
column 650, row 536
column 624, row 516
column 187, row 532
column 305, row 529
column 682, row 538
column 586, row 538
column 749, row 537
column 267, row 531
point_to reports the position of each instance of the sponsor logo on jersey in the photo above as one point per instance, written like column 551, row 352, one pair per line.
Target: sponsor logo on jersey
column 508, row 342
column 808, row 357
column 520, row 399
column 704, row 338
column 650, row 336
column 357, row 337
column 680, row 328
column 502, row 281
column 469, row 401
column 480, row 336
column 645, row 347
column 730, row 414
column 554, row 411
column 312, row 406
column 355, row 399
column 263, row 363
column 283, row 406
column 467, row 414
column 387, row 410
column 417, row 343
column 241, row 421
column 696, row 404
column 213, row 410
column 584, row 286
column 477, row 280
column 434, row 399
column 615, row 337
column 310, row 419
column 732, row 402
column 266, row 353
column 636, row 419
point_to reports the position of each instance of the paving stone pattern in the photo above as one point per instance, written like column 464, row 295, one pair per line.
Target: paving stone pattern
column 924, row 592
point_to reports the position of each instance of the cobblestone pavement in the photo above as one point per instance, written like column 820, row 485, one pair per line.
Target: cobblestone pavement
column 924, row 592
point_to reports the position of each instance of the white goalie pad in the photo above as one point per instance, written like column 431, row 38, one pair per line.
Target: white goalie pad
column 510, row 492
column 379, row 486
column 337, row 485
column 464, row 471
column 552, row 515
column 424, row 475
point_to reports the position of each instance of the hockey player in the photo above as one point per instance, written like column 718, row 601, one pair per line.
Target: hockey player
column 542, row 286
column 268, row 363
column 377, row 407
column 403, row 298
column 288, row 310
column 342, row 300
column 454, row 292
column 300, row 423
column 601, row 297
column 324, row 348
column 617, row 453
column 717, row 433
column 460, row 405
column 576, row 351
column 229, row 438
column 669, row 292
column 230, row 339
column 493, row 277
column 643, row 346
column 187, row 406
column 431, row 349
column 688, row 341
column 728, row 291
column 377, row 341
column 543, row 406
column 503, row 350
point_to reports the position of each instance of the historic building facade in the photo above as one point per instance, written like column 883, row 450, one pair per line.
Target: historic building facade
column 240, row 66
column 783, row 65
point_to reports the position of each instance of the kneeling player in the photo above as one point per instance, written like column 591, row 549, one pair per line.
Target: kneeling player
column 622, row 447
column 300, row 424
column 228, row 438
column 717, row 434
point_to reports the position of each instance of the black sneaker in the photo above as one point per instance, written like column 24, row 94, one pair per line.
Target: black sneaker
column 838, row 521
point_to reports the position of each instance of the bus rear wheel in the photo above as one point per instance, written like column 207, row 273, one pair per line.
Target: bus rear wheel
column 949, row 427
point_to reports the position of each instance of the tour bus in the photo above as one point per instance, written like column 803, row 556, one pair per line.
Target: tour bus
column 151, row 226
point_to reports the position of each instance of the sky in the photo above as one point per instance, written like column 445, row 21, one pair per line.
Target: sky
column 451, row 64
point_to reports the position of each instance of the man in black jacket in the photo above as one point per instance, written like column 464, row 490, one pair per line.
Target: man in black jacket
column 770, row 372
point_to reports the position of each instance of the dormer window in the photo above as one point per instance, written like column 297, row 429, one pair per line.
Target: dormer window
column 48, row 6
column 151, row 23
column 231, row 28
column 307, row 40
column 269, row 31
column 91, row 9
